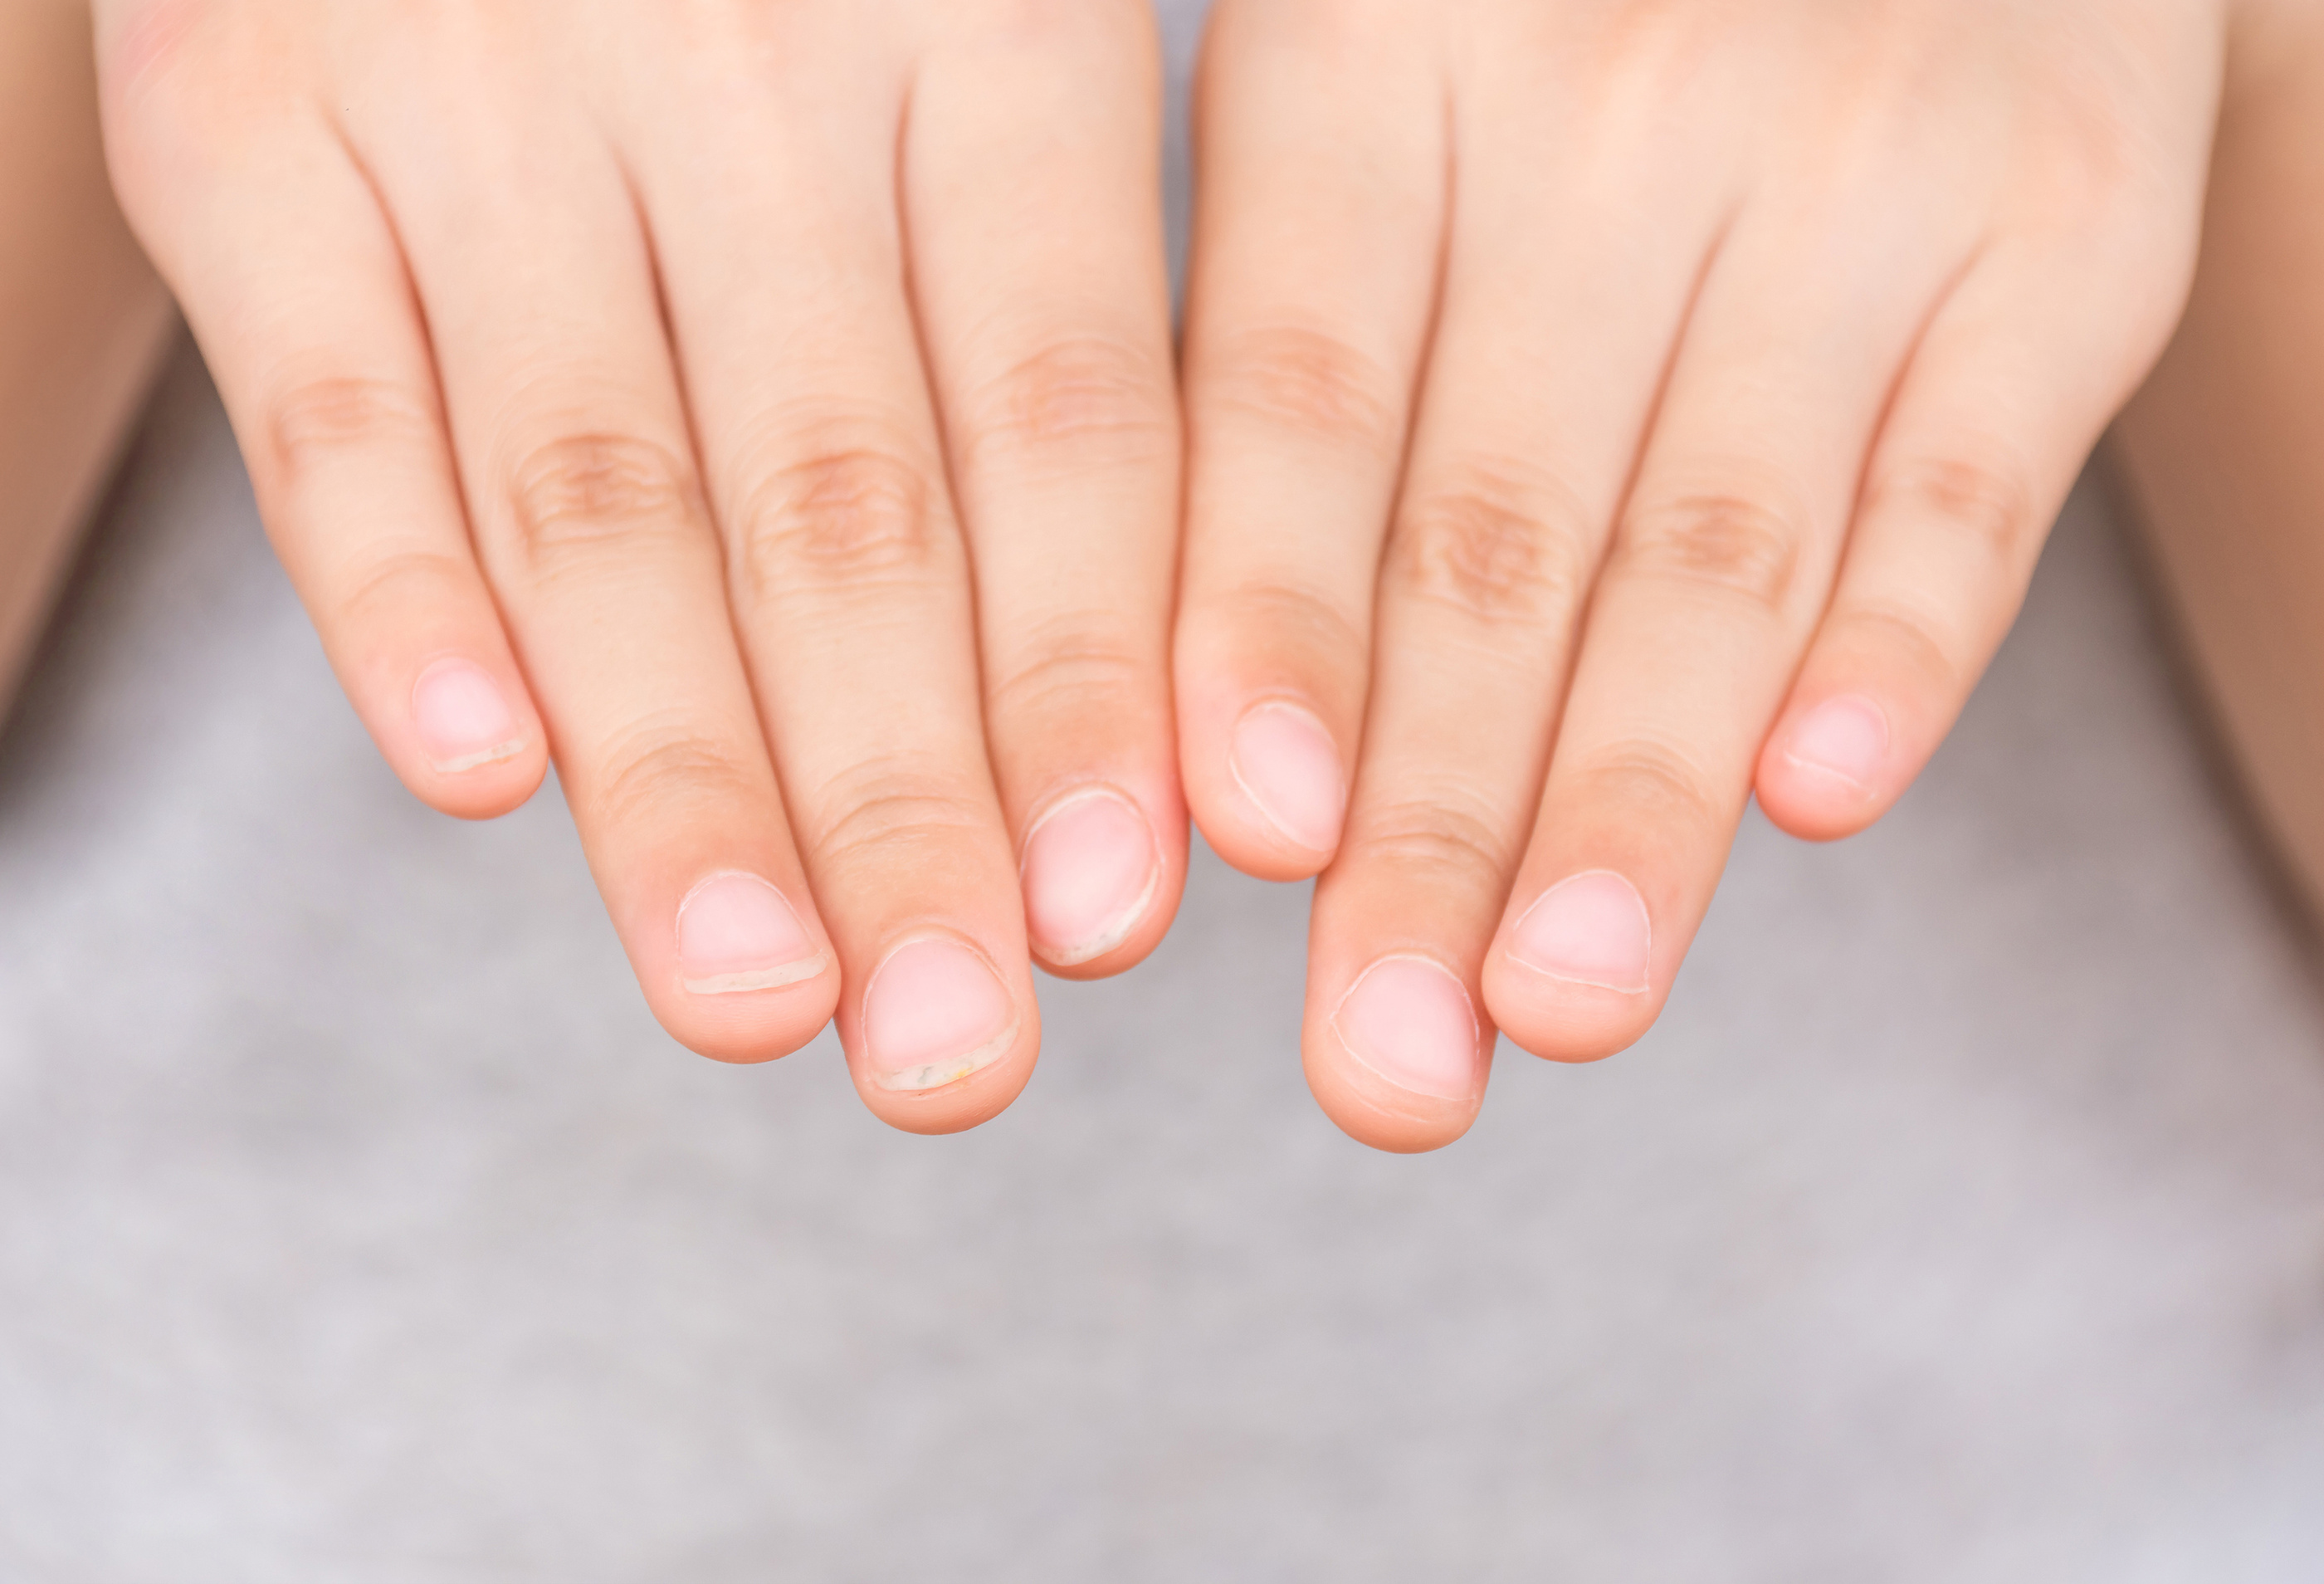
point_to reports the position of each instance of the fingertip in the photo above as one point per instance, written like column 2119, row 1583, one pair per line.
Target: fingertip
column 943, row 1037
column 744, row 1027
column 734, row 970
column 1558, row 1021
column 1830, row 768
column 485, row 792
column 1574, row 977
column 746, row 1035
column 1400, row 1060
column 1268, row 785
column 466, row 737
column 1103, row 876
column 970, row 1102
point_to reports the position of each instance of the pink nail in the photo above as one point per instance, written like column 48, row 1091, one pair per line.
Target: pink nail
column 1287, row 765
column 1091, row 866
column 463, row 719
column 1593, row 928
column 1846, row 737
column 736, row 933
column 935, row 1013
column 1410, row 1022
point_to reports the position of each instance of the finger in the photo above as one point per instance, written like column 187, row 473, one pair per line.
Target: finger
column 292, row 282
column 1561, row 311
column 1040, row 277
column 2018, row 375
column 1721, row 563
column 1320, row 211
column 576, row 456
column 848, row 570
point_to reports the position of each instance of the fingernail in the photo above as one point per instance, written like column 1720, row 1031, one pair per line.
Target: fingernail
column 1410, row 1022
column 1846, row 737
column 1287, row 765
column 934, row 1015
column 463, row 719
column 1593, row 928
column 1091, row 866
column 736, row 933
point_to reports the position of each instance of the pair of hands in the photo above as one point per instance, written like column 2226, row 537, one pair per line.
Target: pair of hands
column 1594, row 412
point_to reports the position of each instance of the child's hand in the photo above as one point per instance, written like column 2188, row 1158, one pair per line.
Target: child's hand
column 1602, row 409
column 634, row 382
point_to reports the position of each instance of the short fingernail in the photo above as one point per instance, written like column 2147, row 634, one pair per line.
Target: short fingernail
column 1410, row 1022
column 1286, row 762
column 1593, row 928
column 462, row 718
column 736, row 933
column 934, row 1015
column 1846, row 737
column 1091, row 866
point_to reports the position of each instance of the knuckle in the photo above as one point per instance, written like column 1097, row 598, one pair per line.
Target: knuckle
column 1645, row 785
column 1501, row 544
column 165, row 46
column 395, row 582
column 1306, row 383
column 1287, row 618
column 657, row 766
column 1744, row 545
column 1985, row 499
column 1921, row 641
column 1081, row 674
column 907, row 815
column 583, row 493
column 314, row 422
column 1436, row 842
column 1092, row 396
column 840, row 516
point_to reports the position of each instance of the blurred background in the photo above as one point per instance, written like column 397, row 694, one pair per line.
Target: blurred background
column 1964, row 1220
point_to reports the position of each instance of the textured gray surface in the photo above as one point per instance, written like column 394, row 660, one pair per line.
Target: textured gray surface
column 1964, row 1220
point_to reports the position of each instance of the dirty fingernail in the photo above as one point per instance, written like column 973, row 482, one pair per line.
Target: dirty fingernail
column 462, row 718
column 736, row 933
column 1091, row 866
column 1287, row 765
column 1410, row 1022
column 1593, row 928
column 935, row 1013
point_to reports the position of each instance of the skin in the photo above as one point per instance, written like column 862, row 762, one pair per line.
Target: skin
column 772, row 405
column 2220, row 447
column 86, row 322
column 1580, row 396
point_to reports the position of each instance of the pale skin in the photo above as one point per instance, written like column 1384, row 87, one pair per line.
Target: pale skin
column 1595, row 413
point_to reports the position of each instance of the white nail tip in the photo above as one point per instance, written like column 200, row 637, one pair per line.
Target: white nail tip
column 494, row 756
column 772, row 979
column 936, row 1075
column 1125, row 922
column 1566, row 979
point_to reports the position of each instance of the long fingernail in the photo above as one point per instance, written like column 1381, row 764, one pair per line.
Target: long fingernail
column 1594, row 930
column 736, row 933
column 935, row 1013
column 1287, row 765
column 1410, row 1022
column 462, row 718
column 1845, row 737
column 1091, row 868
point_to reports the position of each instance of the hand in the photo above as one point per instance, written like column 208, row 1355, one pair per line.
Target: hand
column 635, row 382
column 1599, row 410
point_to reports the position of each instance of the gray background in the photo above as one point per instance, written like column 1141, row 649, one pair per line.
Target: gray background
column 1963, row 1220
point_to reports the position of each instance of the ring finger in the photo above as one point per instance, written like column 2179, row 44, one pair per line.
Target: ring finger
column 578, row 468
column 1723, row 560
